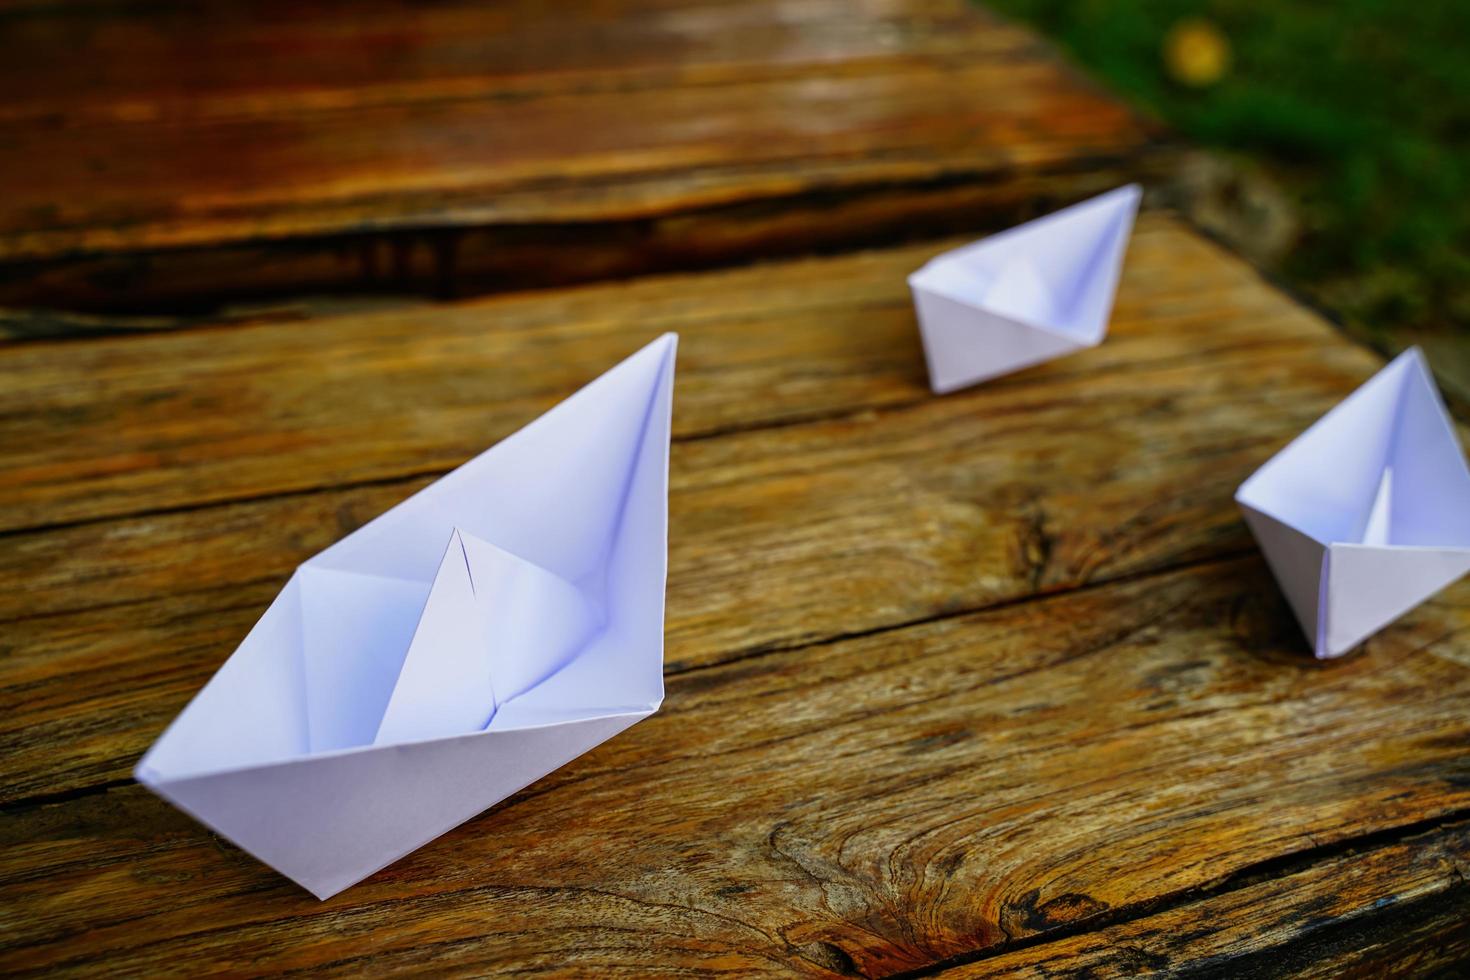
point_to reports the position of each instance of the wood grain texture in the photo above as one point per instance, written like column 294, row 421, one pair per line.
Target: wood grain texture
column 152, row 423
column 1391, row 910
column 173, row 61
column 844, row 499
column 869, row 805
column 951, row 681
column 356, row 138
column 987, row 685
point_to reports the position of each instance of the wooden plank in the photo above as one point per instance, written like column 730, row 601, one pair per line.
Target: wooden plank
column 311, row 175
column 1032, row 483
column 1113, row 463
column 136, row 424
column 160, row 290
column 184, row 62
column 1396, row 910
column 83, row 695
column 361, row 143
column 869, row 805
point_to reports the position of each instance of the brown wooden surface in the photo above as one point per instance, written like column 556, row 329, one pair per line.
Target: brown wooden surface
column 249, row 412
column 844, row 475
column 988, row 683
column 883, row 803
column 1379, row 910
column 179, row 158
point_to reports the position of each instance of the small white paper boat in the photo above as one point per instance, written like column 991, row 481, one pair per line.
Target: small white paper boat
column 477, row 636
column 1367, row 513
column 1023, row 296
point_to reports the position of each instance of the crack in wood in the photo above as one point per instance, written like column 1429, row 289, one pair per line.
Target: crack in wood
column 1270, row 869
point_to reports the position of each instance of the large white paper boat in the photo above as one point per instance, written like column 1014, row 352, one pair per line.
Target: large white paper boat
column 489, row 629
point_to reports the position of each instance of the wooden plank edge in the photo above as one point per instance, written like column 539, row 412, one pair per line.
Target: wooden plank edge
column 107, row 294
column 1454, row 389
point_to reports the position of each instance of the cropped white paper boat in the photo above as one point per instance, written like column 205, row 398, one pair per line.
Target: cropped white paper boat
column 1367, row 513
column 1023, row 296
column 477, row 636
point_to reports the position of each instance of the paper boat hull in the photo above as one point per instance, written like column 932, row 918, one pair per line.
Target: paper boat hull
column 1368, row 587
column 328, row 822
column 964, row 346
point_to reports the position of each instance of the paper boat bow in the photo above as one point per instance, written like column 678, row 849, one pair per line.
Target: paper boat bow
column 1367, row 513
column 489, row 629
column 1024, row 296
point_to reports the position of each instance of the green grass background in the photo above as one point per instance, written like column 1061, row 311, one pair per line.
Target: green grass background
column 1358, row 109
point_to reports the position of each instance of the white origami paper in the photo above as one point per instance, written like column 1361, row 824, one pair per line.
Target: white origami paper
column 1367, row 513
column 477, row 636
column 1023, row 296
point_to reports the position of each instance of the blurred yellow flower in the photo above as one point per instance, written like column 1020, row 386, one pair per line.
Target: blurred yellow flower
column 1196, row 53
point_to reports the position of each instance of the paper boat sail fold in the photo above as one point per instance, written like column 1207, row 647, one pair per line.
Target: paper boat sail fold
column 494, row 626
column 1367, row 513
column 475, row 637
column 1027, row 295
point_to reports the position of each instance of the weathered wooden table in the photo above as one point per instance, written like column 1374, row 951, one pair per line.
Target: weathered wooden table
column 989, row 684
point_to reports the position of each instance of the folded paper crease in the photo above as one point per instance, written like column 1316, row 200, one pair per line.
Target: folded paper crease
column 1367, row 513
column 1023, row 296
column 471, row 639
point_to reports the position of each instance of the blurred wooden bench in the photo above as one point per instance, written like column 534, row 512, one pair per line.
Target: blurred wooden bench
column 203, row 156
column 988, row 684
